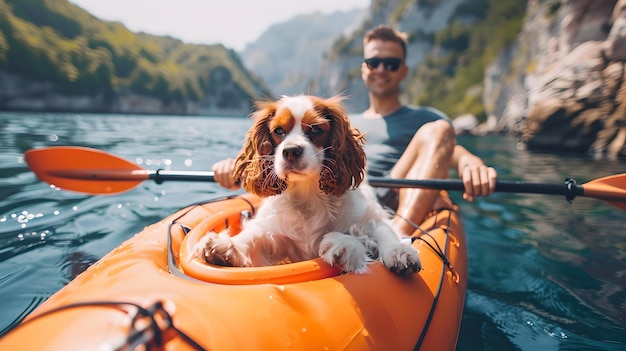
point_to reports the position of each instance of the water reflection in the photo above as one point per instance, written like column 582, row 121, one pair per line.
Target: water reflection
column 544, row 274
column 77, row 262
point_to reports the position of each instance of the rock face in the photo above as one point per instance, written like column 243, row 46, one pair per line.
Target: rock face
column 223, row 97
column 561, row 86
column 287, row 56
column 340, row 72
column 19, row 93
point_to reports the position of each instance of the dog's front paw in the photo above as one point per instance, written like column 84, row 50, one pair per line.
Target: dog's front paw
column 220, row 249
column 402, row 259
column 344, row 251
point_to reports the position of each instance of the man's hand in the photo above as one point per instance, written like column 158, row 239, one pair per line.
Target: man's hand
column 478, row 179
column 224, row 174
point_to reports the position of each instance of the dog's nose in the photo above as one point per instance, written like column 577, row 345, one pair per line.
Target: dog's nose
column 291, row 153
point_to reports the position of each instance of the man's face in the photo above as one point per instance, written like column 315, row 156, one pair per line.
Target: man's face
column 381, row 80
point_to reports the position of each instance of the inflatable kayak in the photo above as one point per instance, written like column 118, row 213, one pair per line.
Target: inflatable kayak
column 149, row 293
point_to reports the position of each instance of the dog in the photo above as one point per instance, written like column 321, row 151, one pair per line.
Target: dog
column 302, row 156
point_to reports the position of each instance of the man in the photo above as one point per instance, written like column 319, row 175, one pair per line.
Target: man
column 406, row 141
column 402, row 141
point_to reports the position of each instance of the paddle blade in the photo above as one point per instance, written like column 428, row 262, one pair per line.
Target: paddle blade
column 84, row 170
column 611, row 189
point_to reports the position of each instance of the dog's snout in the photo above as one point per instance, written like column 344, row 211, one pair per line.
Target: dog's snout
column 291, row 153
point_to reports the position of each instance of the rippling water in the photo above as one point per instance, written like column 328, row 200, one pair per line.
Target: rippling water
column 544, row 274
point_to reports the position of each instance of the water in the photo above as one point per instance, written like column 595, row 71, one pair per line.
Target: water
column 544, row 274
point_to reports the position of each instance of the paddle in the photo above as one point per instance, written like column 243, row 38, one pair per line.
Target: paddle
column 96, row 172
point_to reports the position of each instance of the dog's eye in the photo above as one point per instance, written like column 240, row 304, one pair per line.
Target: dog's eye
column 315, row 131
column 279, row 131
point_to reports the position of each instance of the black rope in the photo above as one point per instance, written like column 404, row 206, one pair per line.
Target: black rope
column 154, row 333
column 159, row 321
column 437, row 250
column 431, row 313
column 140, row 336
column 191, row 206
column 446, row 264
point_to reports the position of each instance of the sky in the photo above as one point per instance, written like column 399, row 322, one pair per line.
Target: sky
column 233, row 23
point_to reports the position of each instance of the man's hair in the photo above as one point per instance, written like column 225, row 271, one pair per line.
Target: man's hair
column 386, row 33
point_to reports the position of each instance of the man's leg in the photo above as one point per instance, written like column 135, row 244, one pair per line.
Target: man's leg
column 428, row 156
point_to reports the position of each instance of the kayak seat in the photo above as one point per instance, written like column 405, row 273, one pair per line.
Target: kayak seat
column 230, row 216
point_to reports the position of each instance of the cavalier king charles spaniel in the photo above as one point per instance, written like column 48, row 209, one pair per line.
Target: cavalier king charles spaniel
column 306, row 161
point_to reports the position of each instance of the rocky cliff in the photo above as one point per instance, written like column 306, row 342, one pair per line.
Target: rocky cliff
column 287, row 55
column 561, row 85
column 340, row 72
column 449, row 41
column 550, row 71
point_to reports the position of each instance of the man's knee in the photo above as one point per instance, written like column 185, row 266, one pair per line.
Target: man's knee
column 432, row 145
column 438, row 133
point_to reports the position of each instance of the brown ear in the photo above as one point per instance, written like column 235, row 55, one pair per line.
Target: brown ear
column 345, row 157
column 254, row 166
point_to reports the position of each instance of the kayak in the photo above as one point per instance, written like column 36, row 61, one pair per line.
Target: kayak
column 150, row 292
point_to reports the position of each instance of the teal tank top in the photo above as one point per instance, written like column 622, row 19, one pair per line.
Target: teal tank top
column 388, row 137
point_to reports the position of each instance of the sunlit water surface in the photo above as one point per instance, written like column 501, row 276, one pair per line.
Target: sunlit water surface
column 544, row 274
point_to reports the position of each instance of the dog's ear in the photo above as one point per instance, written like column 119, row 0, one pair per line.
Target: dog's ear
column 254, row 166
column 344, row 159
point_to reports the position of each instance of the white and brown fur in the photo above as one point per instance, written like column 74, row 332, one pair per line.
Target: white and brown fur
column 305, row 159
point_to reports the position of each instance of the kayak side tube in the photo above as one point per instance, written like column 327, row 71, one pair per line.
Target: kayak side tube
column 298, row 306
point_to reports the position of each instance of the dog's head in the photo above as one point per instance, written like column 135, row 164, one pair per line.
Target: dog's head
column 298, row 139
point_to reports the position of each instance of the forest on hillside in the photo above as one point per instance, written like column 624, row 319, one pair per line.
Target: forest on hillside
column 58, row 42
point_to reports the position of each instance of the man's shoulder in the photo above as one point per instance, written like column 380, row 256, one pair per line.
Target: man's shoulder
column 423, row 112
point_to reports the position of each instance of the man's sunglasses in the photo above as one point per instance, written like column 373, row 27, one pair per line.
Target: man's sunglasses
column 391, row 63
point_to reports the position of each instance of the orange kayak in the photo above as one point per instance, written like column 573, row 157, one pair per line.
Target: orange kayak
column 149, row 292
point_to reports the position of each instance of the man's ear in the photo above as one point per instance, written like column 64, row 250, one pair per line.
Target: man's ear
column 363, row 71
column 404, row 71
